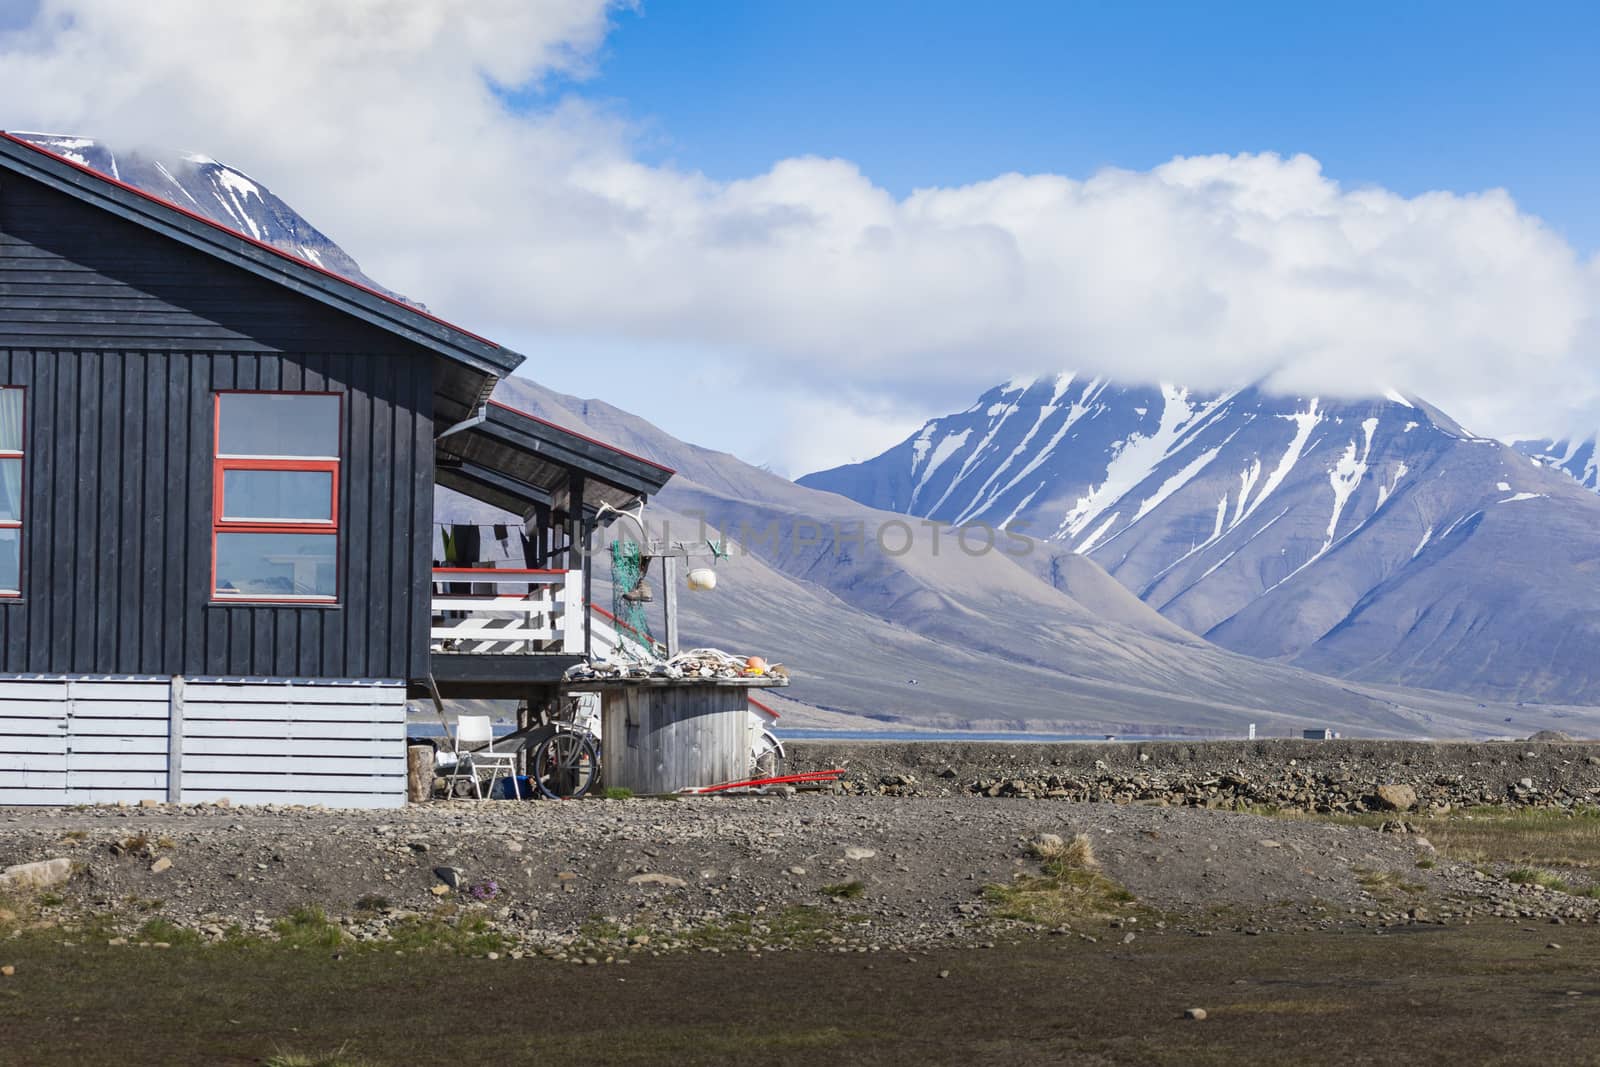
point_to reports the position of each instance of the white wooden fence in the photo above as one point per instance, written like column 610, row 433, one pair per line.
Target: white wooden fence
column 506, row 611
column 252, row 740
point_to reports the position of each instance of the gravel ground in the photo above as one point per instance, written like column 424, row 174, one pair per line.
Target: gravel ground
column 567, row 870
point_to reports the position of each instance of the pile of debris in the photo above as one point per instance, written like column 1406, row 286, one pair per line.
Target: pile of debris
column 708, row 663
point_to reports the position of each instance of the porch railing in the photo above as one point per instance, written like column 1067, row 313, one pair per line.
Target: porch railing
column 506, row 611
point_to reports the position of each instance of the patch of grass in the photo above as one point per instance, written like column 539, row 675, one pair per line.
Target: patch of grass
column 1531, row 837
column 372, row 902
column 1534, row 876
column 798, row 926
column 1386, row 884
column 850, row 890
column 75, row 835
column 337, row 1058
column 51, row 900
column 1070, row 885
column 11, row 912
column 443, row 932
column 308, row 927
column 1426, row 864
column 616, row 792
column 165, row 932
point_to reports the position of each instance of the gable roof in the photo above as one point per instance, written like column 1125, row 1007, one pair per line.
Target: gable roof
column 500, row 455
column 472, row 361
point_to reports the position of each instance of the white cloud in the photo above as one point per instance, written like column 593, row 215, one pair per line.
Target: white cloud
column 379, row 120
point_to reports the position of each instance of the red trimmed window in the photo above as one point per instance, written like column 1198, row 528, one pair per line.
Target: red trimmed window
column 11, row 481
column 275, row 503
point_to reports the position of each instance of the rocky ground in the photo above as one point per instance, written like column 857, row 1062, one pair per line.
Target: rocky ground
column 595, row 879
column 785, row 928
column 1314, row 776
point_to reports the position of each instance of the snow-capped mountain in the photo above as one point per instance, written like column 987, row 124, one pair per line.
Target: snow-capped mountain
column 1372, row 538
column 215, row 190
column 1279, row 517
column 1577, row 456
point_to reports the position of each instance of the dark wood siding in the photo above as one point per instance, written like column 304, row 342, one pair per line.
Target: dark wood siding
column 121, row 338
column 117, row 521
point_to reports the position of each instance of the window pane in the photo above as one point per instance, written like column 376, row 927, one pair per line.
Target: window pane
column 10, row 559
column 11, row 489
column 278, row 424
column 286, row 564
column 287, row 495
column 11, row 420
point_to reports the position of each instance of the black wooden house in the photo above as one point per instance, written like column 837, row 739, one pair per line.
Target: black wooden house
column 217, row 473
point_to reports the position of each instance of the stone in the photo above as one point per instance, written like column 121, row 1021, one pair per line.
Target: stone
column 8, row 971
column 450, row 876
column 1270, row 844
column 1197, row 1014
column 41, row 874
column 1395, row 797
column 797, row 871
column 1525, row 784
column 657, row 878
column 149, row 802
column 1127, row 939
column 440, row 890
column 856, row 852
column 162, row 864
column 1049, row 844
column 513, row 846
column 942, row 974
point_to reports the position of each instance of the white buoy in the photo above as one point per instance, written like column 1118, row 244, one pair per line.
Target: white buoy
column 702, row 579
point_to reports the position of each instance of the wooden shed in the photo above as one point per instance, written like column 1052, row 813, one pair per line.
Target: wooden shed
column 663, row 735
column 217, row 473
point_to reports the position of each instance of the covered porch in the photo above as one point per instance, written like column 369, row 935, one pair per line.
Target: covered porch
column 513, row 628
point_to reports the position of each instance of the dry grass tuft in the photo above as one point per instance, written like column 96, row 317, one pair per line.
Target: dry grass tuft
column 1070, row 885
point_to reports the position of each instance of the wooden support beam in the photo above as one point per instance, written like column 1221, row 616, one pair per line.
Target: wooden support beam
column 175, row 741
column 669, row 581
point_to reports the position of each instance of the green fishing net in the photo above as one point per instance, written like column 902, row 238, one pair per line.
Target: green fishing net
column 627, row 570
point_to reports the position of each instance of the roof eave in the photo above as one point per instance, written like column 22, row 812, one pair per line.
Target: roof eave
column 256, row 257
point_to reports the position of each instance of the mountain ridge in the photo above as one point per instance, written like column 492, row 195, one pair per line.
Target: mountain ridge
column 1289, row 528
column 1045, row 641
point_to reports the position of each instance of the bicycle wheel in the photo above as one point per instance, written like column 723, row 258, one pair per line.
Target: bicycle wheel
column 766, row 756
column 565, row 765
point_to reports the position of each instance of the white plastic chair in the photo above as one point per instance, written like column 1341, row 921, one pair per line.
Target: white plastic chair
column 473, row 731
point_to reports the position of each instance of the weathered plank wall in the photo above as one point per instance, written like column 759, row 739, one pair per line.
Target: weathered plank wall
column 659, row 740
column 83, row 741
column 98, row 740
column 339, row 745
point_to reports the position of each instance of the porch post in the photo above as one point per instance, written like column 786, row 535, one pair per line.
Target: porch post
column 175, row 741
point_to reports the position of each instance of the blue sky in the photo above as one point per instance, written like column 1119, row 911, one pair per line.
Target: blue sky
column 1411, row 96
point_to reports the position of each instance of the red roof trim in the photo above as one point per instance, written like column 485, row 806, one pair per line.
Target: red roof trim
column 214, row 224
column 583, row 436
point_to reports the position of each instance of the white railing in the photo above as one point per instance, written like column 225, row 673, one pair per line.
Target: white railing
column 506, row 612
